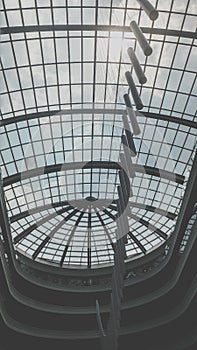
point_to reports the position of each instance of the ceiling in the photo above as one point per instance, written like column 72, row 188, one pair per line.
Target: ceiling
column 63, row 80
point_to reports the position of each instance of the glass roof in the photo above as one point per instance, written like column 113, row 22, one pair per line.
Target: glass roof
column 62, row 86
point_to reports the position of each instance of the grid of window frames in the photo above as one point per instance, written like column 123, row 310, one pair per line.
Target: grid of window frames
column 65, row 54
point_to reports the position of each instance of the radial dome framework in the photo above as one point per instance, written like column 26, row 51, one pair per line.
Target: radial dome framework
column 63, row 81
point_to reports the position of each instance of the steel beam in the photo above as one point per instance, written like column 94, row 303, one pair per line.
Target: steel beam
column 109, row 28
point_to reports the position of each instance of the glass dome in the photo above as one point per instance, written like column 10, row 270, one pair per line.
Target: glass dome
column 63, row 81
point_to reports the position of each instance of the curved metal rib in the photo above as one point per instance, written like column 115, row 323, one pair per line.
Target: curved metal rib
column 52, row 233
column 70, row 238
column 90, row 165
column 105, row 228
column 40, row 222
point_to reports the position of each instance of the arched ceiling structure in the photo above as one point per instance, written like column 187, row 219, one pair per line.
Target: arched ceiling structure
column 63, row 80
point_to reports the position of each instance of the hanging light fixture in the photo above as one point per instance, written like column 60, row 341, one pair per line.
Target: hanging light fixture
column 136, row 65
column 146, row 48
column 151, row 12
column 134, row 92
column 131, row 114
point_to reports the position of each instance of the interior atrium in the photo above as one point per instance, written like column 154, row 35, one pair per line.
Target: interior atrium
column 98, row 174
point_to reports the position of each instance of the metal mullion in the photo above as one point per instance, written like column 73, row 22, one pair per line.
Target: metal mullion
column 67, row 177
column 187, row 94
column 16, row 198
column 69, row 67
column 89, row 238
column 52, row 233
column 152, row 141
column 159, row 59
column 60, row 245
column 7, row 92
column 83, row 244
column 23, row 145
column 62, row 137
column 42, row 141
column 112, row 138
column 34, row 156
column 65, row 249
column 107, row 182
column 11, row 151
column 156, row 66
column 42, row 56
column 51, row 131
column 70, row 89
column 101, row 68
column 146, row 58
column 187, row 136
column 116, row 175
column 156, row 191
column 165, row 132
column 107, row 62
column 82, row 62
column 95, row 51
column 55, row 53
column 72, row 232
column 26, row 232
column 141, row 139
column 58, row 188
column 82, row 153
column 73, row 153
column 92, row 148
column 172, row 196
column 100, row 170
column 137, row 242
column 170, row 68
column 16, row 67
column 109, row 214
column 30, row 136
column 149, row 190
column 49, row 188
column 31, row 183
column 139, row 187
column 47, row 239
column 105, row 228
column 30, row 66
column 172, row 143
column 96, row 250
column 26, row 46
column 121, row 52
